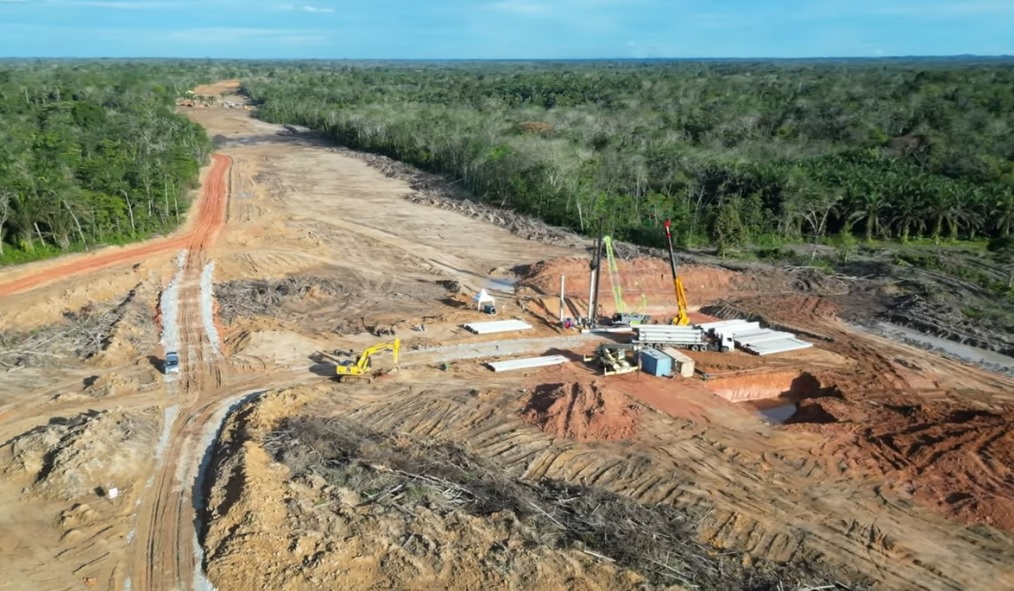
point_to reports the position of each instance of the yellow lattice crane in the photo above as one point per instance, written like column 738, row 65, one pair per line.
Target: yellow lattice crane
column 623, row 315
column 682, row 318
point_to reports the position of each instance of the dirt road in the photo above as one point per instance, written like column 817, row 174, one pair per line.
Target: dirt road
column 366, row 257
column 165, row 556
column 204, row 224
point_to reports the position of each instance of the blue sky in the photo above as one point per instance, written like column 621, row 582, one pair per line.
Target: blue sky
column 489, row 29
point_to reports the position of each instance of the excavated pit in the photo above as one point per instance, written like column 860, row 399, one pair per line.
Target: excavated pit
column 774, row 396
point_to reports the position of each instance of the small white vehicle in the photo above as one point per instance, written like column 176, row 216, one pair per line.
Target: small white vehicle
column 172, row 363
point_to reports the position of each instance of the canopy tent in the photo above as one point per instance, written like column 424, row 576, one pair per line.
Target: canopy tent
column 481, row 298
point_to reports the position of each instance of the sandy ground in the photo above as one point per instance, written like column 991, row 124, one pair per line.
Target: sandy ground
column 896, row 468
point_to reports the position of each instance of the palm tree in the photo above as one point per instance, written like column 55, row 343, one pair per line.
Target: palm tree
column 909, row 209
column 869, row 208
column 1002, row 212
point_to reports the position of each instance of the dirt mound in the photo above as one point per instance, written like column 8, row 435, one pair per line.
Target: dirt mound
column 954, row 459
column 584, row 412
column 71, row 458
column 646, row 283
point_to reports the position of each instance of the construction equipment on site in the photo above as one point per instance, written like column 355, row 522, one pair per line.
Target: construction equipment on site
column 593, row 284
column 360, row 368
column 682, row 318
column 622, row 317
column 612, row 358
column 658, row 336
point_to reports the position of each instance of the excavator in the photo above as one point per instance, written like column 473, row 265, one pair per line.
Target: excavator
column 361, row 366
column 682, row 318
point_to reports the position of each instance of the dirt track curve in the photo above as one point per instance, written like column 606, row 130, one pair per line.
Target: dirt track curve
column 200, row 232
column 272, row 242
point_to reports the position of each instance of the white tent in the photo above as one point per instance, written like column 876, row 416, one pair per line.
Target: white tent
column 481, row 298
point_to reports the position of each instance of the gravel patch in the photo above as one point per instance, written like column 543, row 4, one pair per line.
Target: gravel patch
column 208, row 307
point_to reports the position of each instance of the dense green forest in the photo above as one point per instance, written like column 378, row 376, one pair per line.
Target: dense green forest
column 92, row 153
column 735, row 153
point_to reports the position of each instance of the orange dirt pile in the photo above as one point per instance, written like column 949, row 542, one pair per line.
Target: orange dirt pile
column 949, row 457
column 648, row 277
column 584, row 412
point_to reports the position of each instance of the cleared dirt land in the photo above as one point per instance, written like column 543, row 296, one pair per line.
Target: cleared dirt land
column 250, row 469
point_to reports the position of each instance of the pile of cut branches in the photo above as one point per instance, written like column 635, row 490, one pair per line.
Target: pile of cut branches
column 660, row 542
column 263, row 297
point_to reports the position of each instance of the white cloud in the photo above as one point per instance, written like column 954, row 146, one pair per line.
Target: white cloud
column 306, row 8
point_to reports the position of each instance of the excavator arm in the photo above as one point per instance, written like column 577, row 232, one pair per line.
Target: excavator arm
column 682, row 318
column 362, row 364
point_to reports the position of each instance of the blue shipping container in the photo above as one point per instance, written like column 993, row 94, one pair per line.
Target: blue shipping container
column 655, row 362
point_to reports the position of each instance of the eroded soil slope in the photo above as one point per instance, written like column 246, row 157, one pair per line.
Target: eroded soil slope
column 362, row 509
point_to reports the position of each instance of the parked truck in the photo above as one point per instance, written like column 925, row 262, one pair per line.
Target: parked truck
column 659, row 336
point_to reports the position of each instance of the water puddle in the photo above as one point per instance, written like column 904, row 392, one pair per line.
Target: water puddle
column 778, row 415
column 775, row 411
column 503, row 284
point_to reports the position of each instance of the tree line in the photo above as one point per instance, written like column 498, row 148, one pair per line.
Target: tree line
column 733, row 152
column 93, row 153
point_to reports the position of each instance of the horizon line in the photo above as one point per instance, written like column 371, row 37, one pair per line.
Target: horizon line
column 516, row 59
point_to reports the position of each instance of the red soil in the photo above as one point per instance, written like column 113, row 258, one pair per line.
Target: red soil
column 201, row 232
column 954, row 459
column 580, row 411
column 648, row 277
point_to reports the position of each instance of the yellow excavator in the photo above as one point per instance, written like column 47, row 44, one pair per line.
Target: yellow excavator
column 682, row 318
column 361, row 366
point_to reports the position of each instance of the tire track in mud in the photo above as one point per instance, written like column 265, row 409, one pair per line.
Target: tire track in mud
column 734, row 490
column 165, row 556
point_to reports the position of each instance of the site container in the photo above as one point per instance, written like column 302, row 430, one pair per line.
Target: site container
column 684, row 363
column 655, row 362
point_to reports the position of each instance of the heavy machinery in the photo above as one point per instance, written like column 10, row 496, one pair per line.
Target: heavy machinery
column 682, row 318
column 360, row 368
column 612, row 358
column 622, row 317
column 593, row 285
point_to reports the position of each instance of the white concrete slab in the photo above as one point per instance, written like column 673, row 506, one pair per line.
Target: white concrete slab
column 497, row 326
column 775, row 347
column 516, row 364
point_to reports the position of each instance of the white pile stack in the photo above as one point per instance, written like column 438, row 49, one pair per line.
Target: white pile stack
column 750, row 337
column 497, row 326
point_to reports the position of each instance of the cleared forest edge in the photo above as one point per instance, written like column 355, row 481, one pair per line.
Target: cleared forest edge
column 203, row 226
